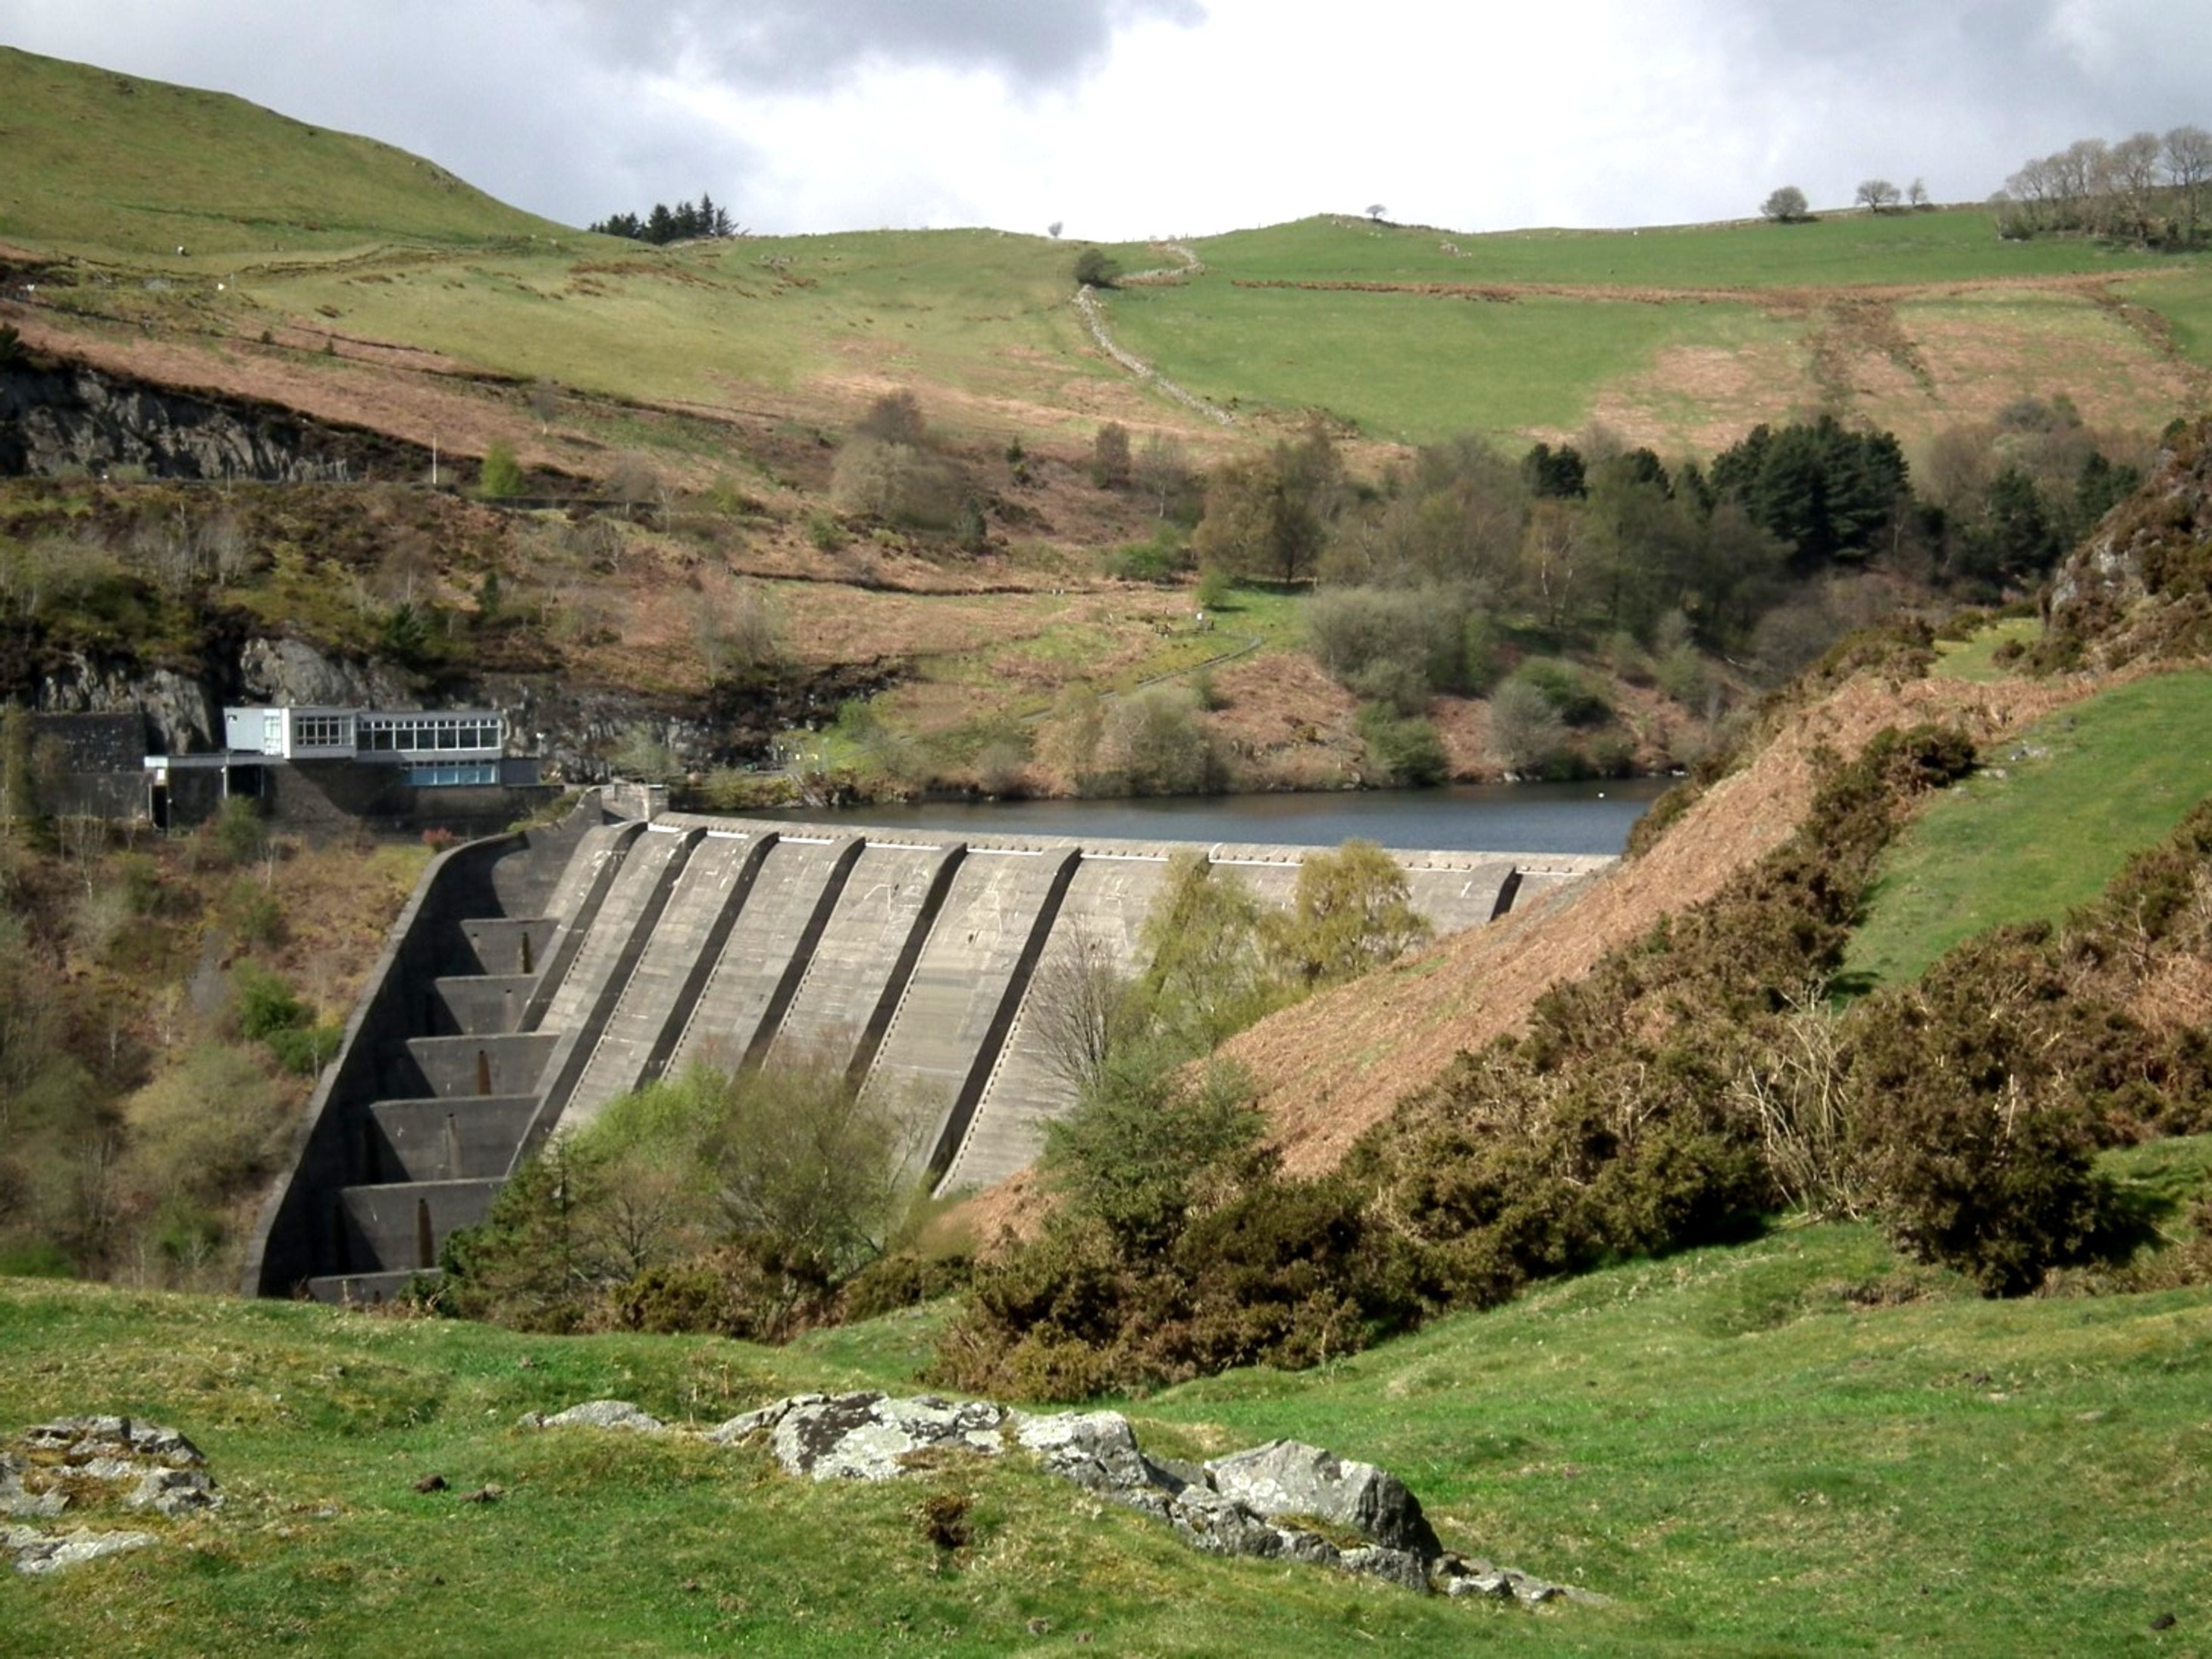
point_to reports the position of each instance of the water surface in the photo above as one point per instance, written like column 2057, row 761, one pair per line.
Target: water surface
column 1499, row 818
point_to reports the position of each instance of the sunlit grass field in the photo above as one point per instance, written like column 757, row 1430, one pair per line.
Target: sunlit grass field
column 1747, row 1450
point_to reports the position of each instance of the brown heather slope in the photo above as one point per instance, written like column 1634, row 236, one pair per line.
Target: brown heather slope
column 1332, row 1066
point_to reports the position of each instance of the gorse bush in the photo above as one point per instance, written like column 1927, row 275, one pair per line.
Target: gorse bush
column 1680, row 1094
column 707, row 1201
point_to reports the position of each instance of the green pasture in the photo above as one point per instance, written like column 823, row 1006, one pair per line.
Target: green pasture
column 1975, row 659
column 1749, row 1450
column 2043, row 827
column 2185, row 303
column 1413, row 368
column 1947, row 245
column 307, row 230
column 1043, row 650
column 985, row 314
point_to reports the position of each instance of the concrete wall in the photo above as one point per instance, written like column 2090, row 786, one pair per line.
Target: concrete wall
column 536, row 978
column 301, row 1234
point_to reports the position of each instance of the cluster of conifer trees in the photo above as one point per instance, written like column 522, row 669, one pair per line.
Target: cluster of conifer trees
column 683, row 222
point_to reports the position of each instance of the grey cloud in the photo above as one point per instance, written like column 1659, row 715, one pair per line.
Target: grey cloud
column 805, row 44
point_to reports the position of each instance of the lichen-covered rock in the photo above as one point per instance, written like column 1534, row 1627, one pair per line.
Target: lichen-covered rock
column 174, row 1493
column 16, row 1500
column 602, row 1414
column 748, row 1424
column 1099, row 1451
column 74, row 1462
column 36, row 1551
column 1284, row 1501
column 85, row 1440
column 867, row 1437
column 1288, row 1477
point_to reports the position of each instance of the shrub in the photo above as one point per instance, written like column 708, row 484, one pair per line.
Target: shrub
column 1975, row 1094
column 1526, row 732
column 1157, row 743
column 904, row 1279
column 1136, row 1152
column 1095, row 268
column 239, row 833
column 265, row 1004
column 500, row 477
column 1572, row 695
column 1389, row 645
column 1407, row 751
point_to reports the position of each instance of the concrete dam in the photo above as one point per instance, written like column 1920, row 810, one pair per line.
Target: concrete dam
column 536, row 977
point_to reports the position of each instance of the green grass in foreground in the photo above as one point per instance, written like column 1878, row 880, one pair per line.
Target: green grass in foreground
column 1740, row 1446
column 2044, row 827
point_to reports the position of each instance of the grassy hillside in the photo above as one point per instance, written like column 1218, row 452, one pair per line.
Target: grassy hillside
column 1949, row 245
column 1748, row 1449
column 1678, row 337
column 111, row 165
column 2043, row 827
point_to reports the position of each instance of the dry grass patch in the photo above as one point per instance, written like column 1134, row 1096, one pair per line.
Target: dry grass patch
column 1986, row 350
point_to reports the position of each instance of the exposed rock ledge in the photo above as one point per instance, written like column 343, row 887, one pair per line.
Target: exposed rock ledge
column 74, row 1462
column 1281, row 1501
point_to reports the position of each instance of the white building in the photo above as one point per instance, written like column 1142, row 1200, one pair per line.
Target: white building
column 439, row 748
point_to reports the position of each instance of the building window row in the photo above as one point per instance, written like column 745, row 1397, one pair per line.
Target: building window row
column 446, row 775
column 322, row 732
column 422, row 736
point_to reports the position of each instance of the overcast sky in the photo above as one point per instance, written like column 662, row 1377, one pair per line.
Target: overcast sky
column 1129, row 118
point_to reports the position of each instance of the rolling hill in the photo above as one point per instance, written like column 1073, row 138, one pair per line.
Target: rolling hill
column 1677, row 336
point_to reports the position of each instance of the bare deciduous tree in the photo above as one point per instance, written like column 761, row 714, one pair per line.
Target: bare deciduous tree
column 2188, row 155
column 1877, row 195
column 1109, row 456
column 1078, row 1005
column 1163, row 471
column 2131, row 174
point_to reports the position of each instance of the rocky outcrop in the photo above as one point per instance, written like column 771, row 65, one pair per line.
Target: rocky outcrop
column 292, row 673
column 59, row 417
column 2141, row 581
column 76, row 1463
column 1283, row 1501
column 183, row 712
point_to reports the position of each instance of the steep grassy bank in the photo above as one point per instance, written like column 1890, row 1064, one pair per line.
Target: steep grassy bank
column 2043, row 827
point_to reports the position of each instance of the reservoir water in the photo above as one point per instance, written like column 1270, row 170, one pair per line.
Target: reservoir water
column 1496, row 818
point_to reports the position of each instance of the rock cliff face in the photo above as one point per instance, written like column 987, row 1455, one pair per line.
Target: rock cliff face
column 59, row 417
column 2140, row 583
column 183, row 711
